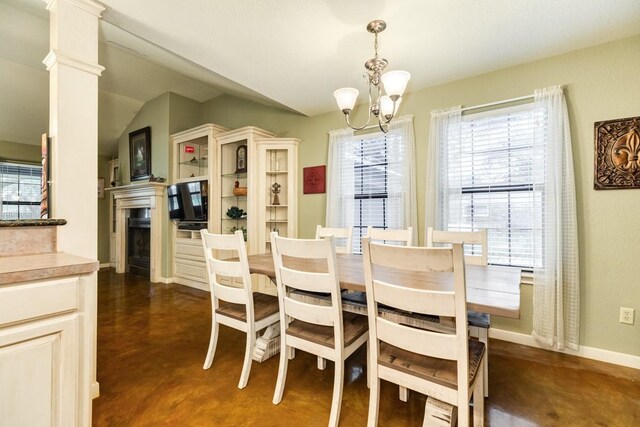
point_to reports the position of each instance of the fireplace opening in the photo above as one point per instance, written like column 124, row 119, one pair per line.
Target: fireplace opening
column 139, row 242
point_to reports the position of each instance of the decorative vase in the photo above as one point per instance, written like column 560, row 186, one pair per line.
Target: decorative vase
column 239, row 191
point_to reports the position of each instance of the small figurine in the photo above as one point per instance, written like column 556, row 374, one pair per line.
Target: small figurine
column 275, row 189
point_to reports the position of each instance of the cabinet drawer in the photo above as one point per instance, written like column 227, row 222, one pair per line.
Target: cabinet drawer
column 37, row 299
column 191, row 270
column 189, row 250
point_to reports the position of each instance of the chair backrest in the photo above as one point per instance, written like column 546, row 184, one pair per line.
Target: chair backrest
column 320, row 277
column 223, row 274
column 393, row 278
column 478, row 238
column 391, row 236
column 343, row 237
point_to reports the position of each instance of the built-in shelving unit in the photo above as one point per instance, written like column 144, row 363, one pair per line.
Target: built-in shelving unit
column 192, row 161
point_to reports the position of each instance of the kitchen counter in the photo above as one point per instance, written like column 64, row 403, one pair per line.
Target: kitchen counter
column 24, row 268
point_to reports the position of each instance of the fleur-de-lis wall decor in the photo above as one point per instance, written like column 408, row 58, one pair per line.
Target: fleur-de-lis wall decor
column 617, row 154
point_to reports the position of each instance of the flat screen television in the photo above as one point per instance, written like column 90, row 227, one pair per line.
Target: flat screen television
column 188, row 201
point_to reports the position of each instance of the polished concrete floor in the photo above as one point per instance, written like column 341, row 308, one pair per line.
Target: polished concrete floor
column 152, row 341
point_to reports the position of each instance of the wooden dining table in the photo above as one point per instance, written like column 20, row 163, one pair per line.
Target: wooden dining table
column 492, row 290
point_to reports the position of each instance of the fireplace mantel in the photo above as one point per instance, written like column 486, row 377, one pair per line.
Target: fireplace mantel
column 147, row 195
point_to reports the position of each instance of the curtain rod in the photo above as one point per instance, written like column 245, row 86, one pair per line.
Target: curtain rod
column 492, row 104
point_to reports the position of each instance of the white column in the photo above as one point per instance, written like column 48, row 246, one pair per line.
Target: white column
column 73, row 122
column 73, row 126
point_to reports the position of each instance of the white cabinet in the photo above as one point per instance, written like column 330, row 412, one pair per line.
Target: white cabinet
column 277, row 189
column 189, row 265
column 45, row 362
column 243, row 165
column 191, row 149
column 193, row 160
column 238, row 162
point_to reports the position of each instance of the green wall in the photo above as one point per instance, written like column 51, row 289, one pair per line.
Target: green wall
column 600, row 83
column 103, row 212
column 20, row 152
column 154, row 113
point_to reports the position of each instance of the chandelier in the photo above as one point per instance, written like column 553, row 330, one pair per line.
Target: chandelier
column 388, row 87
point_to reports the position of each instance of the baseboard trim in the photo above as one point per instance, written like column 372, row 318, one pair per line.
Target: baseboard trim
column 191, row 283
column 599, row 354
column 95, row 389
column 105, row 265
column 165, row 280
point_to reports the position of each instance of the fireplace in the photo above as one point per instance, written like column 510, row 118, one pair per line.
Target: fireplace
column 139, row 242
column 144, row 203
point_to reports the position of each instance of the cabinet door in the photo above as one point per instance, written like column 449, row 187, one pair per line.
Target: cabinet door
column 38, row 367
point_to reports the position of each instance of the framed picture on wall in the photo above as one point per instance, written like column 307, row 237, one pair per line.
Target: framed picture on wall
column 140, row 154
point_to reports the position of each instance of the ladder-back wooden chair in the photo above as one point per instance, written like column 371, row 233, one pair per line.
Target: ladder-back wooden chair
column 343, row 237
column 320, row 329
column 236, row 307
column 446, row 367
column 402, row 237
column 479, row 323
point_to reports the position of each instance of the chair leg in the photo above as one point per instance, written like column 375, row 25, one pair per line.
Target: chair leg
column 403, row 394
column 213, row 341
column 336, row 403
column 248, row 358
column 282, row 372
column 483, row 336
column 322, row 363
column 478, row 398
column 291, row 353
column 368, row 362
column 374, row 402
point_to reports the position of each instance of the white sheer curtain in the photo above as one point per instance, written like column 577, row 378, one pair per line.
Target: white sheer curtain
column 556, row 287
column 444, row 131
column 345, row 150
column 402, row 173
column 340, row 175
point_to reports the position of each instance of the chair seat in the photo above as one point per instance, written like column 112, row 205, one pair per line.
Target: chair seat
column 441, row 371
column 263, row 307
column 479, row 320
column 354, row 326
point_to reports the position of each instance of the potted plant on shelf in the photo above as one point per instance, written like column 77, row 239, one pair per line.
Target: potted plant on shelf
column 244, row 231
column 235, row 212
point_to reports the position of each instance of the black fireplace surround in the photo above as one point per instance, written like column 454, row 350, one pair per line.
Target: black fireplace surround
column 139, row 242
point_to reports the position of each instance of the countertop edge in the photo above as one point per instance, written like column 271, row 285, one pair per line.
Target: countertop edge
column 26, row 268
column 31, row 223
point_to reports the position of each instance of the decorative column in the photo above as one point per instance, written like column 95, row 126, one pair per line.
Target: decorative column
column 73, row 69
column 73, row 122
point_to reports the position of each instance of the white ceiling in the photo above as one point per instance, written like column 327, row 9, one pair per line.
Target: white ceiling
column 290, row 54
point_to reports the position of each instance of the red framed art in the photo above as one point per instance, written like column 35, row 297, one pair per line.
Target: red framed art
column 313, row 179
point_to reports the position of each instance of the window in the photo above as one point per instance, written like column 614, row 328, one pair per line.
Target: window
column 491, row 183
column 372, row 180
column 21, row 190
column 373, row 200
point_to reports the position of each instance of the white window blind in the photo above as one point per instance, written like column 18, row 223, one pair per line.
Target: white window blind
column 492, row 183
column 20, row 189
column 377, row 183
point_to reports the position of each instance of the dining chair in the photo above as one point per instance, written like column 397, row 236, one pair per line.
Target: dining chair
column 443, row 366
column 234, row 306
column 320, row 329
column 342, row 236
column 391, row 236
column 479, row 323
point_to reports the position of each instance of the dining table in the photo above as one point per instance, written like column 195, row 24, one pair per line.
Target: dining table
column 494, row 290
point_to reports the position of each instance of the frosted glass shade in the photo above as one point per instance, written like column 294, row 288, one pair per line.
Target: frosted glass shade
column 386, row 106
column 395, row 82
column 346, row 97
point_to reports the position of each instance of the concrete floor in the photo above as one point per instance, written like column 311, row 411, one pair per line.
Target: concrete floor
column 152, row 341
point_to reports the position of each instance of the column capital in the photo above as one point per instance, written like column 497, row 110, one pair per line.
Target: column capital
column 88, row 6
column 57, row 56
